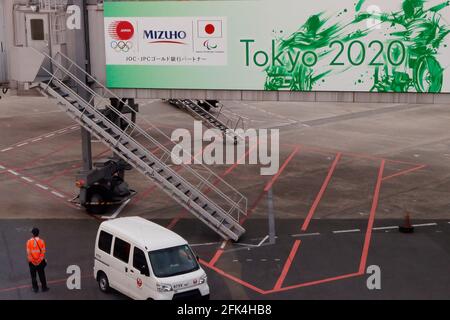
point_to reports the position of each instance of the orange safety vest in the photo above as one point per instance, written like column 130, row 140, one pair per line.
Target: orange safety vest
column 35, row 250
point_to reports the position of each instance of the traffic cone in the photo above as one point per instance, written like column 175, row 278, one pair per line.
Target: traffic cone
column 406, row 227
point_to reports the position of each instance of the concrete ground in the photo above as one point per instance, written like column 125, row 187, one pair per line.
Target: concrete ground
column 348, row 173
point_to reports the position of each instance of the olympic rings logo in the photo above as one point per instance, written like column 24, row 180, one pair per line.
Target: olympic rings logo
column 121, row 46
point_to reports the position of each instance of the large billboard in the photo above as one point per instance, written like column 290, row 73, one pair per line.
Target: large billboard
column 321, row 45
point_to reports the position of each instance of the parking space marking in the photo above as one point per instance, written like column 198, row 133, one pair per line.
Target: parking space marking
column 280, row 171
column 58, row 194
column 425, row 225
column 287, row 265
column 28, row 179
column 40, row 138
column 373, row 211
column 321, row 192
column 35, row 183
column 385, row 228
column 216, row 257
column 305, row 234
column 347, row 231
column 204, row 244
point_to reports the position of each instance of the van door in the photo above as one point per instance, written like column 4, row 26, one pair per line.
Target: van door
column 38, row 37
column 120, row 266
column 139, row 277
column 2, row 45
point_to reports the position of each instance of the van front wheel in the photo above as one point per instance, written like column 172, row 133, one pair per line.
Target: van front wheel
column 103, row 283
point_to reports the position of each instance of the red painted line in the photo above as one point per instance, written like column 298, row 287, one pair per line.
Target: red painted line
column 43, row 157
column 30, row 140
column 45, row 192
column 321, row 192
column 175, row 220
column 234, row 166
column 233, row 278
column 242, row 158
column 351, row 154
column 286, row 162
column 312, row 283
column 376, row 196
column 216, row 257
column 253, row 207
column 65, row 171
column 287, row 265
column 404, row 172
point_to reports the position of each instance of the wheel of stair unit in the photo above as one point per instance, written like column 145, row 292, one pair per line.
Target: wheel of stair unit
column 97, row 198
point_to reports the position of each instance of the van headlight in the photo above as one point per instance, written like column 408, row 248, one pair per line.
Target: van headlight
column 203, row 279
column 163, row 287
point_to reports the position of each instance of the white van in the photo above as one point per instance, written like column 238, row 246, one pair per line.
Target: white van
column 146, row 261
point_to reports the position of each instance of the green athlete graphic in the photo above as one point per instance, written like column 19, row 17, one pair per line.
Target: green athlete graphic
column 422, row 34
column 409, row 63
column 313, row 39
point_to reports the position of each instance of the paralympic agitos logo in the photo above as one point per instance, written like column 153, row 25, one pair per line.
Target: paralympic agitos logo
column 121, row 32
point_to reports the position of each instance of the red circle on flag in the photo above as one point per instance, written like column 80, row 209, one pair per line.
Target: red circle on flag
column 124, row 30
column 209, row 28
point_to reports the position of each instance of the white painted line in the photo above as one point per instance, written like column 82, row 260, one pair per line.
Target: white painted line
column 118, row 211
column 2, row 168
column 41, row 186
column 306, row 234
column 276, row 259
column 22, row 144
column 347, row 231
column 7, row 149
column 224, row 243
column 249, row 260
column 263, row 240
column 36, row 140
column 62, row 131
column 27, row 179
column 50, row 135
column 235, row 260
column 204, row 244
column 14, row 173
column 58, row 194
column 385, row 228
column 263, row 260
column 425, row 225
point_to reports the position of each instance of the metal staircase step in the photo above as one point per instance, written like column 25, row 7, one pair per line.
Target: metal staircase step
column 219, row 217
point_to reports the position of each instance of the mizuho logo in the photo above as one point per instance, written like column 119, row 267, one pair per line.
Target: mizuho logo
column 165, row 36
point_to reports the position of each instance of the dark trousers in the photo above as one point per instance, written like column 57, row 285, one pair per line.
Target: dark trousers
column 39, row 269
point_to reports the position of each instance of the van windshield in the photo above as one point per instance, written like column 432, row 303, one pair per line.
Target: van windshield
column 173, row 261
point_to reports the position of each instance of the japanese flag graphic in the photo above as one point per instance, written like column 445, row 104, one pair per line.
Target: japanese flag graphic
column 210, row 29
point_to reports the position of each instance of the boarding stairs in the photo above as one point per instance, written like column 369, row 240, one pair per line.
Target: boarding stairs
column 216, row 120
column 204, row 194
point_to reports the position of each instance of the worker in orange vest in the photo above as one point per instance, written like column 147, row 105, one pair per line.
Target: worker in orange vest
column 36, row 260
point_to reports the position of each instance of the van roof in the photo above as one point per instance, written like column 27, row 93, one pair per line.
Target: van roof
column 143, row 233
